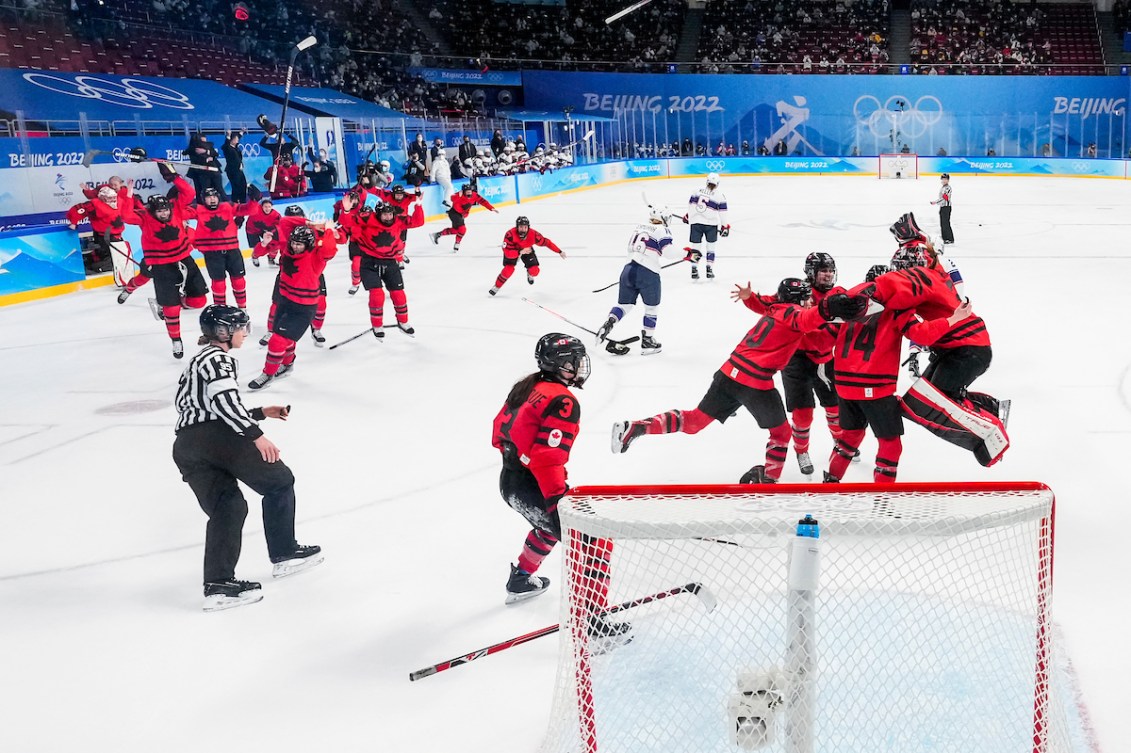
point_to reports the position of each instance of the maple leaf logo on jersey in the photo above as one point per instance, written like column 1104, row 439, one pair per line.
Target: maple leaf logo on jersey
column 288, row 264
column 168, row 233
column 117, row 223
column 383, row 238
column 216, row 223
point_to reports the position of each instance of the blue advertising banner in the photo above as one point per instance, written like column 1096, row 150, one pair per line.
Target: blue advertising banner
column 477, row 78
column 39, row 258
column 59, row 95
column 1078, row 168
column 771, row 165
column 850, row 115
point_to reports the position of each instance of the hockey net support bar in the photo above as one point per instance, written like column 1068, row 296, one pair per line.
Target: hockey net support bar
column 898, row 166
column 930, row 621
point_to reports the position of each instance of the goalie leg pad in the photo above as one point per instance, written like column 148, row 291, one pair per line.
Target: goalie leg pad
column 967, row 426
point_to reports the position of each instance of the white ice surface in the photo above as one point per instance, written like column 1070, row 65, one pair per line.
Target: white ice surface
column 104, row 647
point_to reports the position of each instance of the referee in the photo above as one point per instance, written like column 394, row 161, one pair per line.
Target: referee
column 219, row 443
column 943, row 203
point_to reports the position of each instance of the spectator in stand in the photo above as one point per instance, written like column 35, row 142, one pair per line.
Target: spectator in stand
column 1046, row 150
column 418, row 150
column 498, row 143
column 414, row 172
column 780, row 149
column 1092, row 150
column 202, row 154
column 323, row 176
column 467, row 150
column 233, row 166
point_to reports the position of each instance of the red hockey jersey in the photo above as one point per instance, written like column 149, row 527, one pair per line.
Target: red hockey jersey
column 103, row 217
column 377, row 239
column 770, row 344
column 464, row 204
column 513, row 244
column 542, row 431
column 866, row 362
column 299, row 273
column 216, row 228
column 165, row 242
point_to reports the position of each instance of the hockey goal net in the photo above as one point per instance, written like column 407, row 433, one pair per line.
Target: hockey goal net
column 899, row 166
column 919, row 621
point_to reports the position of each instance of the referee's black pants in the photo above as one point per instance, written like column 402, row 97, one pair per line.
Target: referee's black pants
column 212, row 458
column 944, row 224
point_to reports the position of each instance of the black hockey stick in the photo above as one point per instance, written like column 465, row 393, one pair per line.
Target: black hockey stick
column 303, row 45
column 665, row 266
column 583, row 329
column 698, row 589
column 359, row 335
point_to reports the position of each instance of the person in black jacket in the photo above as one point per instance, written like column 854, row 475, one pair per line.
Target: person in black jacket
column 467, row 150
column 418, row 150
column 323, row 176
column 414, row 171
column 233, row 166
column 202, row 152
column 498, row 143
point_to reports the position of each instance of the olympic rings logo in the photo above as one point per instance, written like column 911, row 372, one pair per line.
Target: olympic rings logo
column 717, row 164
column 128, row 92
column 882, row 118
column 250, row 149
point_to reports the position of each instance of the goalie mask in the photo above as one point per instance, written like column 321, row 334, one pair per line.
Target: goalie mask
column 794, row 290
column 220, row 323
column 108, row 196
column 819, row 262
column 563, row 358
column 913, row 255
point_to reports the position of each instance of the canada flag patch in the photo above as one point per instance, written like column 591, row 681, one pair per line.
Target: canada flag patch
column 555, row 438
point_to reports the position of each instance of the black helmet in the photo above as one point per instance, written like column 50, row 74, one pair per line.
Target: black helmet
column 875, row 271
column 294, row 210
column 209, row 193
column 304, row 235
column 814, row 263
column 157, row 202
column 522, row 220
column 794, row 290
column 388, row 209
column 944, row 176
column 398, row 188
column 219, row 323
column 562, row 357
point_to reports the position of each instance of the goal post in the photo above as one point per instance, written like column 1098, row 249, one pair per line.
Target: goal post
column 898, row 166
column 918, row 619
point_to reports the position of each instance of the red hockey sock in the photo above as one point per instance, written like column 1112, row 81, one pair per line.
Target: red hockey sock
column 400, row 305
column 777, row 447
column 533, row 271
column 195, row 301
column 887, row 459
column 687, row 421
column 136, row 282
column 289, row 356
column 537, row 547
column 377, row 308
column 319, row 313
column 220, row 292
column 355, row 270
column 505, row 275
column 271, row 317
column 594, row 570
column 832, row 418
column 277, row 348
column 847, row 445
column 239, row 289
column 802, row 420
column 172, row 316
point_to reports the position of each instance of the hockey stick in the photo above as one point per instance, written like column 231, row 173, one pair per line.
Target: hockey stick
column 665, row 266
column 570, row 145
column 698, row 589
column 303, row 45
column 584, row 329
column 626, row 11
column 359, row 335
column 89, row 156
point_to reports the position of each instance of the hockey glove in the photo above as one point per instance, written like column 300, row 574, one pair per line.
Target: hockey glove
column 685, row 220
column 167, row 172
column 840, row 306
column 724, row 231
column 693, row 255
column 912, row 364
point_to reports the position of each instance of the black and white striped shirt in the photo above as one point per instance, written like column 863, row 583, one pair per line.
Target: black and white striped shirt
column 208, row 391
column 944, row 196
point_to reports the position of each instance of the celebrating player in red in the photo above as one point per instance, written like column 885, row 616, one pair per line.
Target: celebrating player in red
column 104, row 211
column 262, row 219
column 217, row 239
column 747, row 378
column 520, row 241
column 460, row 205
column 378, row 234
column 401, row 200
column 166, row 242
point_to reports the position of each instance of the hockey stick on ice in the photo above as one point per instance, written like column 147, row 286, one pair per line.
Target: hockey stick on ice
column 665, row 266
column 698, row 589
column 575, row 324
column 359, row 335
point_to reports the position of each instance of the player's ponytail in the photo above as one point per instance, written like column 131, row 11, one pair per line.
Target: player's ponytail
column 521, row 389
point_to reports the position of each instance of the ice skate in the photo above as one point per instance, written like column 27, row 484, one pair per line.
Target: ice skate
column 493, row 291
column 435, row 238
column 604, row 636
column 648, row 344
column 353, row 289
column 285, row 371
column 255, row 261
column 226, row 594
column 302, row 558
column 694, row 272
column 379, row 333
column 522, row 586
column 805, row 463
column 1003, row 407
column 318, row 337
column 828, row 478
column 406, row 328
column 271, row 261
column 123, row 295
column 604, row 330
column 756, row 475
column 260, row 381
column 455, row 248
column 530, row 279
column 155, row 309
column 710, row 272
column 178, row 349
column 626, row 432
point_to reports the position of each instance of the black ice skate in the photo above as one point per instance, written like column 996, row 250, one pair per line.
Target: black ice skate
column 648, row 344
column 829, row 478
column 805, row 463
column 694, row 272
column 530, row 279
column 604, row 330
column 318, row 337
column 522, row 586
column 353, row 289
column 379, row 334
column 265, row 339
column 626, row 432
column 710, row 272
column 156, row 310
column 406, row 328
column 604, row 636
column 123, row 295
column 435, row 238
column 493, row 291
column 178, row 349
column 756, row 475
column 260, row 381
column 302, row 558
column 226, row 594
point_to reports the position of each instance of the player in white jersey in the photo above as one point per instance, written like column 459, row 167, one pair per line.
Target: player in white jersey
column 707, row 215
column 640, row 278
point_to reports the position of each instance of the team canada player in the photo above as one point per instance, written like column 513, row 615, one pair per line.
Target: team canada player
column 401, row 201
column 640, row 278
column 707, row 214
column 940, row 400
column 459, row 206
column 300, row 287
column 289, row 180
column 747, row 378
column 378, row 234
column 216, row 237
column 293, row 216
column 535, row 431
column 519, row 242
column 866, row 363
column 261, row 220
column 354, row 195
column 103, row 209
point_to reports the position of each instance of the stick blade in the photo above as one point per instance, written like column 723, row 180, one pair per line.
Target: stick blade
column 89, row 155
column 705, row 596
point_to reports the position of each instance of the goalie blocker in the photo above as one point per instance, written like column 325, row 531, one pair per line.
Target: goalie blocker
column 968, row 426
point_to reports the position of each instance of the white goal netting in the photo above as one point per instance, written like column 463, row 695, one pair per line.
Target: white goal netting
column 919, row 622
column 899, row 166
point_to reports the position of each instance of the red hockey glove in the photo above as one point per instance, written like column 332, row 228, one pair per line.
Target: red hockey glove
column 724, row 231
column 693, row 254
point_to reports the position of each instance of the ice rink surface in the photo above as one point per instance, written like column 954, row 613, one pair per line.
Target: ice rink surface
column 104, row 647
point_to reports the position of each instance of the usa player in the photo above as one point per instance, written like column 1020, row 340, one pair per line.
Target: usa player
column 707, row 215
column 640, row 279
column 519, row 242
